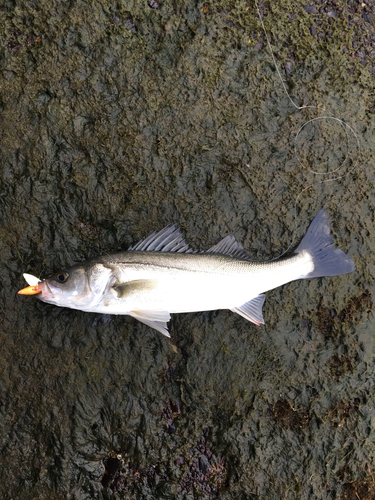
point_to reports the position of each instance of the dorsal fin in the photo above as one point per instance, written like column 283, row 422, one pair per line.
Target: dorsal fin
column 230, row 246
column 168, row 239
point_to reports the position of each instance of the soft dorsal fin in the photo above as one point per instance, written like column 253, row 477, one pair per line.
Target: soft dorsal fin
column 168, row 239
column 230, row 246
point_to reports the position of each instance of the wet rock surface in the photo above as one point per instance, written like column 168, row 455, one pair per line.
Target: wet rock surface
column 119, row 118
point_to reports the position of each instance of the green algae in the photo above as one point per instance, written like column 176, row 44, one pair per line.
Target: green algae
column 117, row 119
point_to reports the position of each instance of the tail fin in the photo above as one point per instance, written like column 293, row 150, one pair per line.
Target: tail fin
column 318, row 242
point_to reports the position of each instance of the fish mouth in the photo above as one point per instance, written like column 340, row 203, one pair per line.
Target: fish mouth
column 42, row 290
column 35, row 286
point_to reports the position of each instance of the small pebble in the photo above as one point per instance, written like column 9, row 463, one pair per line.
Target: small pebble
column 332, row 13
column 288, row 68
column 153, row 4
column 311, row 9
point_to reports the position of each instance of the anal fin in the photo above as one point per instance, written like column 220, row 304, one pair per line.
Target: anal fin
column 155, row 319
column 252, row 310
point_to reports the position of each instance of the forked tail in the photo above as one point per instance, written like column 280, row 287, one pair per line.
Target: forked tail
column 318, row 242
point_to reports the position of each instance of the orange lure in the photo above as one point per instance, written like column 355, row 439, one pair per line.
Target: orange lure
column 30, row 290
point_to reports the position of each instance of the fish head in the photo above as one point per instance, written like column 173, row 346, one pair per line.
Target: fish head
column 79, row 287
column 66, row 288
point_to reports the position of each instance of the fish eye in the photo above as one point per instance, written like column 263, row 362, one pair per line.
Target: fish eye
column 62, row 277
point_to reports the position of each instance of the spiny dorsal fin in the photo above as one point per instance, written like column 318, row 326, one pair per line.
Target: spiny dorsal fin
column 168, row 239
column 230, row 246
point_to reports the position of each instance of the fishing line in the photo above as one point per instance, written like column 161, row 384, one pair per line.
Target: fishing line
column 347, row 128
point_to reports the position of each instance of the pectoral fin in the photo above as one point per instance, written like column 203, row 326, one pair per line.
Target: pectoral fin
column 155, row 319
column 252, row 310
column 135, row 286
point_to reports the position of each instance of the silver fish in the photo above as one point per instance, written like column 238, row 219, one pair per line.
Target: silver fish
column 162, row 275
